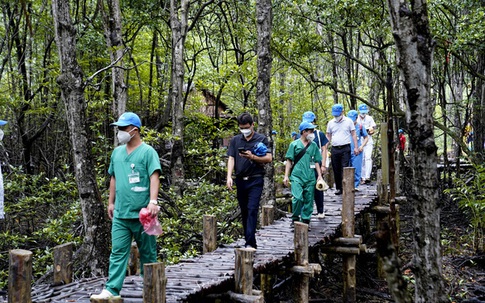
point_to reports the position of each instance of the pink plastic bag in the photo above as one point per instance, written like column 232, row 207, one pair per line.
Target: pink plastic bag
column 150, row 223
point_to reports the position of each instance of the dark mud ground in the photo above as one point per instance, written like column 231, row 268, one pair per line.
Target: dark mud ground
column 463, row 269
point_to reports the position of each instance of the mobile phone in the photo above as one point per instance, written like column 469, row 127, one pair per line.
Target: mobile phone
column 241, row 149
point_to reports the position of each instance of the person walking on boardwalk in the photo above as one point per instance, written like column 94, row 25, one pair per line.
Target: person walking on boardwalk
column 368, row 122
column 322, row 142
column 247, row 154
column 2, row 212
column 302, row 158
column 340, row 132
column 135, row 170
column 362, row 139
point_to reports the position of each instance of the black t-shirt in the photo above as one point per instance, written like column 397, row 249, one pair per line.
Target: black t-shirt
column 245, row 167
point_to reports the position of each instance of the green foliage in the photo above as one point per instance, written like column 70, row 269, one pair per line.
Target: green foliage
column 181, row 219
column 41, row 213
column 468, row 192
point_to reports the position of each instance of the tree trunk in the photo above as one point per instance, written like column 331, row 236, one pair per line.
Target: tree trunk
column 114, row 40
column 411, row 33
column 479, row 110
column 264, row 18
column 94, row 252
column 178, row 23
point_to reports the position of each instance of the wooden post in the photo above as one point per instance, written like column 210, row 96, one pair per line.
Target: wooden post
column 266, row 279
column 268, row 215
column 384, row 154
column 20, row 276
column 348, row 230
column 210, row 234
column 63, row 263
column 302, row 281
column 154, row 283
column 243, row 273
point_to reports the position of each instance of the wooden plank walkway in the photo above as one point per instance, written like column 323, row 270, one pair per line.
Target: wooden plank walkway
column 214, row 272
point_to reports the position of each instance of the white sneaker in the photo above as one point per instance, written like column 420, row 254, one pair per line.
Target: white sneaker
column 105, row 294
column 321, row 216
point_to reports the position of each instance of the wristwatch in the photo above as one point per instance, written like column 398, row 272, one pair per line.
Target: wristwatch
column 155, row 202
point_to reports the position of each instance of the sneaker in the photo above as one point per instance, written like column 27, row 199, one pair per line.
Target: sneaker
column 105, row 294
column 321, row 216
column 356, row 189
column 367, row 181
column 338, row 192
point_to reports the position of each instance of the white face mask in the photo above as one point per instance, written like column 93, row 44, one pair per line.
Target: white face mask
column 246, row 132
column 124, row 136
column 339, row 118
column 310, row 137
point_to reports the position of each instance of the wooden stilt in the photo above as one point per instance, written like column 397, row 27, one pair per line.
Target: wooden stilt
column 210, row 234
column 154, row 283
column 348, row 230
column 267, row 215
column 63, row 263
column 20, row 276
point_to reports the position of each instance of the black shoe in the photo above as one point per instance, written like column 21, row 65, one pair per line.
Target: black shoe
column 338, row 192
column 367, row 181
column 307, row 222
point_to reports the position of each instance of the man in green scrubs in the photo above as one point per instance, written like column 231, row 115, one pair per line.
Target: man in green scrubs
column 135, row 171
column 302, row 176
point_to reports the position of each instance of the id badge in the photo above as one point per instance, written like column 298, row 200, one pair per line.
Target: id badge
column 134, row 178
column 312, row 164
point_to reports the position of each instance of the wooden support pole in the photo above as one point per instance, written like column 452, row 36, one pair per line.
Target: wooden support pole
column 384, row 154
column 154, row 283
column 210, row 234
column 266, row 280
column 20, row 276
column 63, row 263
column 243, row 273
column 348, row 202
column 302, row 280
column 348, row 230
column 267, row 215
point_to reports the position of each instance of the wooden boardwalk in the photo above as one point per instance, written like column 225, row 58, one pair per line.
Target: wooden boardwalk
column 214, row 272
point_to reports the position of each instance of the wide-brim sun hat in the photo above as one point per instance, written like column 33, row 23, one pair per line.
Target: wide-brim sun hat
column 3, row 122
column 126, row 119
column 306, row 125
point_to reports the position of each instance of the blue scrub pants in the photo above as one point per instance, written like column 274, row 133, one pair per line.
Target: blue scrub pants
column 248, row 195
column 122, row 233
column 357, row 164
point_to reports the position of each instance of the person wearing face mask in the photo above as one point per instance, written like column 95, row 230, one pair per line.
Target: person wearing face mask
column 322, row 142
column 303, row 158
column 2, row 212
column 135, row 170
column 248, row 166
column 370, row 126
column 340, row 132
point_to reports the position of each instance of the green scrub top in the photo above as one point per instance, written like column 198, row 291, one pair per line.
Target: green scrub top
column 302, row 170
column 132, row 173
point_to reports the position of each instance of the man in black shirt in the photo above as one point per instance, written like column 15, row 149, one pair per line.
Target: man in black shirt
column 248, row 152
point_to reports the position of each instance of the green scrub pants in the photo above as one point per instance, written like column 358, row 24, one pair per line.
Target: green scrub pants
column 122, row 233
column 302, row 203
